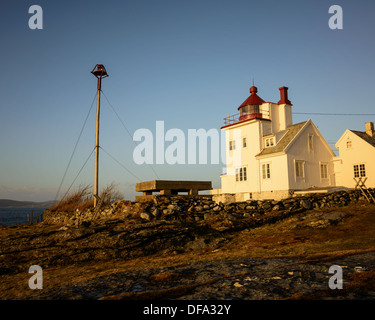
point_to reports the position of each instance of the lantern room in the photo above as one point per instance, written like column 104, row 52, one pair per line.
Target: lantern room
column 255, row 108
column 250, row 108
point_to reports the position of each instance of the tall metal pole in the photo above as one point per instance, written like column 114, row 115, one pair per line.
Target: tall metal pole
column 96, row 184
column 99, row 72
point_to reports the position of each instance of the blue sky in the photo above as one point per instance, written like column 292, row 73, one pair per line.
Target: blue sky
column 188, row 63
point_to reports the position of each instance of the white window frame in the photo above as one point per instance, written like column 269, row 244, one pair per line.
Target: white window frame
column 266, row 171
column 299, row 169
column 362, row 170
column 269, row 142
column 356, row 170
column 359, row 170
column 232, row 145
column 241, row 174
column 322, row 172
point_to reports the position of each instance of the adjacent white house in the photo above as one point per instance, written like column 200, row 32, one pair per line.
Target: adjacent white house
column 356, row 157
column 269, row 157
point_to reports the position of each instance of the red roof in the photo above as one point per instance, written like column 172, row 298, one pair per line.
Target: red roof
column 253, row 99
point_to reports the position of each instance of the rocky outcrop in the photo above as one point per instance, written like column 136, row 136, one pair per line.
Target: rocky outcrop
column 172, row 224
column 182, row 227
column 167, row 224
column 239, row 279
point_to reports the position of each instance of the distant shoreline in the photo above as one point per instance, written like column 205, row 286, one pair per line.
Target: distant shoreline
column 7, row 203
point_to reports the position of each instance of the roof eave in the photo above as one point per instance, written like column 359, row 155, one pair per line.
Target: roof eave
column 269, row 155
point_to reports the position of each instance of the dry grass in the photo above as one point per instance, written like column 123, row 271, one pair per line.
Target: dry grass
column 165, row 276
column 354, row 233
column 82, row 198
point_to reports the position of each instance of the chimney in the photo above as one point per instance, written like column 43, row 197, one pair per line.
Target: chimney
column 370, row 128
column 284, row 96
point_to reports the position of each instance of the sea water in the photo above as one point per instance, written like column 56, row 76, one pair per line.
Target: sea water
column 12, row 216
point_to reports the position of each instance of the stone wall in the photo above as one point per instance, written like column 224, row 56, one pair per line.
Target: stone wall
column 197, row 208
column 245, row 196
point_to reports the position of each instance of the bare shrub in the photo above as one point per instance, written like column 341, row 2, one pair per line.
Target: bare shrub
column 80, row 199
column 110, row 194
column 83, row 199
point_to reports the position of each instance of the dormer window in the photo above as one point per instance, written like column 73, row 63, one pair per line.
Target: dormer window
column 269, row 142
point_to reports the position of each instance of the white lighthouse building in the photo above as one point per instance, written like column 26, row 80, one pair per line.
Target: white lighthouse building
column 269, row 157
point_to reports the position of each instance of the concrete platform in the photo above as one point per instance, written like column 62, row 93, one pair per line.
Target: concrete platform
column 169, row 187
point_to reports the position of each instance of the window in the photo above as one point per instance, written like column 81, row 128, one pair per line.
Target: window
column 250, row 109
column 241, row 174
column 323, row 171
column 266, row 170
column 311, row 142
column 362, row 170
column 232, row 145
column 244, row 142
column 269, row 142
column 356, row 171
column 359, row 170
column 348, row 144
column 300, row 170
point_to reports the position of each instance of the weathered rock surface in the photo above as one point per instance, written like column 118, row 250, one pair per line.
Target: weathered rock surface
column 169, row 226
column 244, row 279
